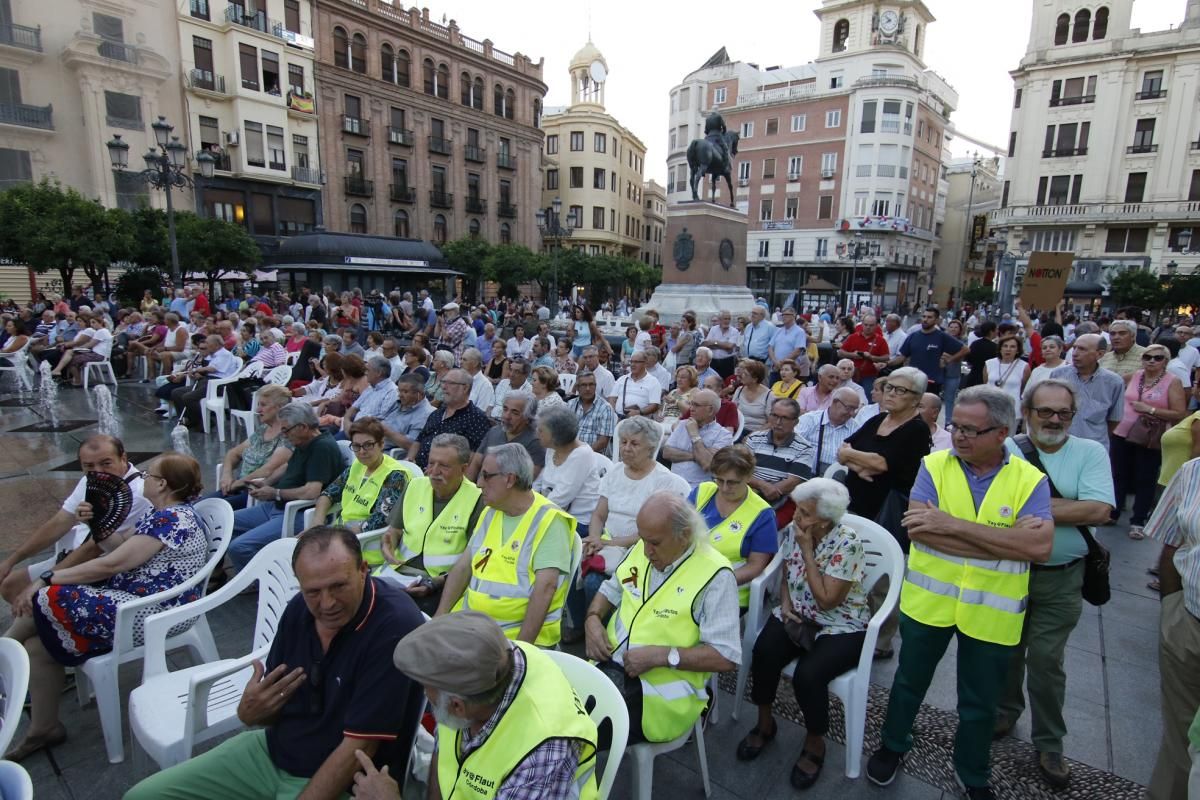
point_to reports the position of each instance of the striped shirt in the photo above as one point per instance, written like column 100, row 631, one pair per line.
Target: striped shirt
column 816, row 433
column 1176, row 522
column 774, row 463
column 599, row 420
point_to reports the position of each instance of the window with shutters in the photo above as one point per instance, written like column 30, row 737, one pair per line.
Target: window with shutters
column 576, row 141
column 202, row 55
column 358, row 218
column 768, row 168
column 341, row 47
column 825, row 207
column 210, row 133
column 551, row 179
column 765, row 209
column 291, row 15
column 1135, row 187
column 576, row 177
column 400, row 224
column 270, row 72
column 598, row 176
column 296, row 215
column 598, row 215
column 1126, row 240
column 772, row 126
column 300, row 150
column 868, row 117
column 358, row 53
column 600, row 143
column 791, row 207
column 248, row 60
column 552, row 144
column 254, row 145
column 278, row 158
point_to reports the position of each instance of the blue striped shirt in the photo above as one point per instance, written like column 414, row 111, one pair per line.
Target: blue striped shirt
column 1176, row 522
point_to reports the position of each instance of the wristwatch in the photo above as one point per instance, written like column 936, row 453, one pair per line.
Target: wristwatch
column 673, row 657
column 695, row 439
column 46, row 576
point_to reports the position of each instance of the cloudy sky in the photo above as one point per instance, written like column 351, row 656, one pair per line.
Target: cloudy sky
column 650, row 47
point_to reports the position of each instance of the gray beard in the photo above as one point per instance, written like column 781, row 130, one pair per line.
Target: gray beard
column 1049, row 438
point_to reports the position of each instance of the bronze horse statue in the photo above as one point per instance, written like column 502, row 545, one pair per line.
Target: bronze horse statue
column 713, row 156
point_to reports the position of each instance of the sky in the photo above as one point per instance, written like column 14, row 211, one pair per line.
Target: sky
column 650, row 47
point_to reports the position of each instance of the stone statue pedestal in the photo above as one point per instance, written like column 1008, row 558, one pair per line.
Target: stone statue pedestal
column 704, row 264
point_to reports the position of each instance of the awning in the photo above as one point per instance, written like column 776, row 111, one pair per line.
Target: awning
column 817, row 285
column 356, row 252
column 260, row 276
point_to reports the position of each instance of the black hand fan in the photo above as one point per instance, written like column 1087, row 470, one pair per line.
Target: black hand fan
column 111, row 500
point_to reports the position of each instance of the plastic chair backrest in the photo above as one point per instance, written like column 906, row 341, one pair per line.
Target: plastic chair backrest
column 14, row 683
column 412, row 469
column 741, row 425
column 347, row 453
column 883, row 553
column 280, row 375
column 566, row 382
column 15, row 783
column 602, row 701
column 601, row 463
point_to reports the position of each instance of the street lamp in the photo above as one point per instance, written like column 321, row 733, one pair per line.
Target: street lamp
column 549, row 222
column 1184, row 239
column 856, row 250
column 1009, row 283
column 166, row 167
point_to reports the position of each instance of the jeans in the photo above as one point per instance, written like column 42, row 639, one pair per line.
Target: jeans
column 237, row 500
column 950, row 387
column 867, row 385
column 253, row 529
column 1135, row 468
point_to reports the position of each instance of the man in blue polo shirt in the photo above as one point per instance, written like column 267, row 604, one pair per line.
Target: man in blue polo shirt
column 931, row 350
column 328, row 689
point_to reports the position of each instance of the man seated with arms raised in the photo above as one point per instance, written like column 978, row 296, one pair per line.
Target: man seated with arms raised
column 509, row 723
column 428, row 529
column 691, row 446
column 672, row 620
column 326, row 693
column 516, row 566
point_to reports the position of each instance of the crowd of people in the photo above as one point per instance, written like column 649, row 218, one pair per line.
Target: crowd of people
column 536, row 486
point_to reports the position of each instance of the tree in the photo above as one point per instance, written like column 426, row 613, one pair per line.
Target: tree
column 510, row 265
column 135, row 281
column 1137, row 287
column 213, row 247
column 1183, row 291
column 467, row 255
column 150, row 247
column 978, row 294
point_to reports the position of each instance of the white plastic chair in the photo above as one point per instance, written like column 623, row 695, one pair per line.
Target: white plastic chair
column 603, row 702
column 617, row 443
column 836, row 472
column 172, row 712
column 15, row 783
column 741, row 425
column 20, row 361
column 644, row 754
column 14, row 683
column 104, row 372
column 566, row 382
column 759, row 608
column 347, row 453
column 279, row 376
column 214, row 401
column 99, row 676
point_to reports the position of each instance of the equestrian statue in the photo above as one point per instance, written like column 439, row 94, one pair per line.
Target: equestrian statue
column 713, row 155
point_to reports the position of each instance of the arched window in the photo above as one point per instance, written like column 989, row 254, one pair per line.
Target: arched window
column 1083, row 26
column 1100, row 28
column 1062, row 29
column 341, row 48
column 387, row 63
column 477, row 96
column 429, row 76
column 464, row 87
column 358, row 53
column 841, row 32
column 498, row 100
column 443, row 82
column 473, row 227
column 439, row 229
column 402, row 66
column 400, row 224
column 358, row 218
column 510, row 100
column 505, row 233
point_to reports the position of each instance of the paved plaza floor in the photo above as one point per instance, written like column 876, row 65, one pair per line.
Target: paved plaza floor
column 1112, row 707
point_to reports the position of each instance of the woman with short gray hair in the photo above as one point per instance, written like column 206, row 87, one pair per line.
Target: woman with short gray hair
column 443, row 362
column 571, row 475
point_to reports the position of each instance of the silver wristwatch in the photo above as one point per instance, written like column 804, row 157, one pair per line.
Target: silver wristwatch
column 673, row 657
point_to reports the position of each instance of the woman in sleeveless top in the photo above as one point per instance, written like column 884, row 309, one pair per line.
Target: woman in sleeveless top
column 1008, row 372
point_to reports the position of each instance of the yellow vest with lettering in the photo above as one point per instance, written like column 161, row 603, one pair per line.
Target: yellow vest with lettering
column 438, row 542
column 359, row 496
column 540, row 711
column 502, row 572
column 727, row 536
column 672, row 699
column 983, row 598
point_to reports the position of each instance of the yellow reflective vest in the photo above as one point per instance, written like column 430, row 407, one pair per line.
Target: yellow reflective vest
column 541, row 710
column 983, row 598
column 438, row 542
column 672, row 699
column 359, row 495
column 502, row 572
column 727, row 536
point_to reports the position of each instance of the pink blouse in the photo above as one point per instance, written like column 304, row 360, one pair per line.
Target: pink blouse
column 1158, row 396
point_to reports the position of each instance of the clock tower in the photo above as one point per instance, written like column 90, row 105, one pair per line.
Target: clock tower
column 589, row 71
column 858, row 26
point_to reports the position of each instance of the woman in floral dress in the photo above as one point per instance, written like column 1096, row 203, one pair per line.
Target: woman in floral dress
column 69, row 614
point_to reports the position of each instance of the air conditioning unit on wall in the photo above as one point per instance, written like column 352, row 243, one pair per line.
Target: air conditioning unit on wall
column 232, row 138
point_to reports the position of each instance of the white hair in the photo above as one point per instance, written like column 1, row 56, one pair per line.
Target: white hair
column 832, row 497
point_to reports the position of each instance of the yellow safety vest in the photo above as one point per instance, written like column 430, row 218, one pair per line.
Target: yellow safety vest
column 727, row 536
column 360, row 491
column 540, row 711
column 502, row 573
column 438, row 542
column 672, row 699
column 983, row 598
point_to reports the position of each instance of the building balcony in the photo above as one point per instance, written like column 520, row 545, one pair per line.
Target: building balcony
column 892, row 81
column 223, row 163
column 441, row 199
column 476, row 205
column 307, row 175
column 254, row 20
column 356, row 125
column 1066, row 152
column 1099, row 213
column 506, row 161
column 440, row 145
column 118, row 51
column 359, row 187
column 474, row 153
column 402, row 193
column 400, row 136
column 27, row 116
column 1141, row 149
column 507, row 210
column 21, row 36
column 204, row 81
column 1077, row 100
column 1151, row 95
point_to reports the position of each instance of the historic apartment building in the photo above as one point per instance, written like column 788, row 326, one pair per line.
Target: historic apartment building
column 594, row 165
column 654, row 222
column 840, row 160
column 1104, row 148
column 425, row 132
column 965, row 259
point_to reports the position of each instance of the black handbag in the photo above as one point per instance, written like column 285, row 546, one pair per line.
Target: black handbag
column 1096, row 589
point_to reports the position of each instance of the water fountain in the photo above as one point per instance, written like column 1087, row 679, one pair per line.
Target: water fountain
column 179, row 440
column 107, row 416
column 47, row 397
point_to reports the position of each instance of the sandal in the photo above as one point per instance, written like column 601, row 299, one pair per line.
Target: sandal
column 749, row 752
column 804, row 780
column 35, row 744
column 1136, row 533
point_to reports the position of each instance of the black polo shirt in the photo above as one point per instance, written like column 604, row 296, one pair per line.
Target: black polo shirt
column 468, row 422
column 352, row 690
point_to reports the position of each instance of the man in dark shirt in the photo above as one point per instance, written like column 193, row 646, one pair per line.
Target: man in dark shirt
column 931, row 350
column 457, row 415
column 327, row 691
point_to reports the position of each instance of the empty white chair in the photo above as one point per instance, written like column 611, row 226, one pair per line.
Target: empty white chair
column 603, row 702
column 104, row 371
column 566, row 382
column 15, row 783
column 761, row 605
column 99, row 675
column 214, row 401
column 172, row 712
column 14, row 684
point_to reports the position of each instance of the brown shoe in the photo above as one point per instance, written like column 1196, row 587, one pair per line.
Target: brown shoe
column 1055, row 770
column 33, row 744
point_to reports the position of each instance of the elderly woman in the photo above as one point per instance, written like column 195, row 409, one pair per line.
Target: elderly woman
column 543, row 383
column 820, row 622
column 443, row 362
column 369, row 488
column 677, row 401
column 68, row 614
column 789, row 383
column 248, row 344
column 563, row 363
column 741, row 524
column 571, row 476
column 354, row 382
column 259, row 456
column 414, row 363
column 297, row 337
column 1053, row 349
column 753, row 398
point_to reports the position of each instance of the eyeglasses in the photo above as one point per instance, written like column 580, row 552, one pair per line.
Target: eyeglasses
column 487, row 476
column 1153, row 357
column 846, row 405
column 778, row 418
column 891, row 388
column 457, row 383
column 358, row 448
column 1065, row 414
column 968, row 432
column 290, row 428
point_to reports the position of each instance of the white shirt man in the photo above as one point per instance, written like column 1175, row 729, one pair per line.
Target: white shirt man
column 656, row 369
column 639, row 392
column 894, row 334
column 823, row 432
column 590, row 360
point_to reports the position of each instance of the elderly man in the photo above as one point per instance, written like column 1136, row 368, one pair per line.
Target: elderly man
column 483, row 394
column 407, row 420
column 703, row 365
column 695, row 440
column 391, row 351
column 173, row 345
column 894, row 333
column 454, row 331
column 457, row 414
column 976, row 519
column 316, row 462
column 516, row 427
column 589, row 360
column 543, row 356
column 218, row 364
column 1101, row 392
column 779, row 464
column 379, row 399
column 639, row 392
column 655, row 369
column 1125, row 357
column 789, row 343
column 756, row 338
column 866, row 349
column 1081, row 486
column 929, row 408
column 597, row 420
column 818, row 396
column 722, row 339
column 487, row 342
column 428, row 528
column 846, row 371
column 822, row 433
column 493, row 699
column 662, row 659
column 326, row 700
column 516, row 566
column 517, row 381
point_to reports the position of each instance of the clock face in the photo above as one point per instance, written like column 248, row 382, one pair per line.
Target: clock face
column 889, row 22
column 598, row 72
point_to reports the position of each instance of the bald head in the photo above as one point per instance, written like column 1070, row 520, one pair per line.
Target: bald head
column 1086, row 351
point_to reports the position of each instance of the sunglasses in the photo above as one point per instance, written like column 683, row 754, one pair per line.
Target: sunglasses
column 1152, row 357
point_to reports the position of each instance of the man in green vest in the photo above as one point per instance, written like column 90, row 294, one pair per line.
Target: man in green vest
column 509, row 723
column 976, row 519
column 672, row 620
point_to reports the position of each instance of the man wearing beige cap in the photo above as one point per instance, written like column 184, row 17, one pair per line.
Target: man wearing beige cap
column 509, row 723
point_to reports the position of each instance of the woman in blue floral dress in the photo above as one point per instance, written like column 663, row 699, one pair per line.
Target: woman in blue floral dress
column 69, row 615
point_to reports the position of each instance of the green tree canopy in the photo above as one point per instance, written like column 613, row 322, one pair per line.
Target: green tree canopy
column 510, row 265
column 468, row 255
column 214, row 247
column 977, row 294
column 1137, row 287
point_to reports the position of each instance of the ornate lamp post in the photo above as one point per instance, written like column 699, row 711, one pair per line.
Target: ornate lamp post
column 166, row 169
column 856, row 250
column 550, row 226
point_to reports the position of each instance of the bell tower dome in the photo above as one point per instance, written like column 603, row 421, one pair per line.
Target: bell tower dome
column 589, row 72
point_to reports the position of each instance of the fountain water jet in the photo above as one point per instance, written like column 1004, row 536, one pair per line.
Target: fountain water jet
column 107, row 416
column 179, row 440
column 47, row 397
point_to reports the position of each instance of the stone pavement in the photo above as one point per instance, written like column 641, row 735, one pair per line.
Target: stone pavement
column 1112, row 708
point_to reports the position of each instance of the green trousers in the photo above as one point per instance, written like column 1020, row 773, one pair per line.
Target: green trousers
column 981, row 669
column 237, row 769
column 1055, row 602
